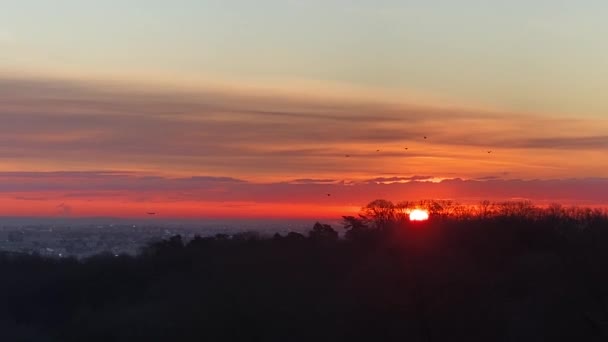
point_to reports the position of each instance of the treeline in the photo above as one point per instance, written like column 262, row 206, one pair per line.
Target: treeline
column 521, row 210
column 507, row 271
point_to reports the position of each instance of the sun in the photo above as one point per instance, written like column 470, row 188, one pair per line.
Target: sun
column 419, row 215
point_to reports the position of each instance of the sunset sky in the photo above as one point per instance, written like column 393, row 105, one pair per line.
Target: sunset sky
column 195, row 108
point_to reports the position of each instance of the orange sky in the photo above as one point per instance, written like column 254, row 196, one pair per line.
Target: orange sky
column 91, row 148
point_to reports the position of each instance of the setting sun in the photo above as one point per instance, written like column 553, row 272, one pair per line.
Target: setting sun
column 419, row 215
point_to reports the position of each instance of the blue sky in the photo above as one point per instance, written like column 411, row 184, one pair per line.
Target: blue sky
column 547, row 56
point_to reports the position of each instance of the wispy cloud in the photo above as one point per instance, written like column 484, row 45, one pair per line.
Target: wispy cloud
column 388, row 180
column 313, row 181
column 225, row 189
column 570, row 143
column 51, row 123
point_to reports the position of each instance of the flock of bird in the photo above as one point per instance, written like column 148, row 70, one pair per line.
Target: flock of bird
column 347, row 156
column 405, row 148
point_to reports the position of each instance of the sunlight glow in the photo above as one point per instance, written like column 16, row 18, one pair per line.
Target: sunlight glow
column 419, row 215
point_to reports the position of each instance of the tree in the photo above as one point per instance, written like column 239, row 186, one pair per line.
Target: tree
column 522, row 210
column 323, row 233
column 246, row 236
column 403, row 210
column 293, row 237
column 485, row 209
column 358, row 229
column 356, row 223
column 381, row 213
column 173, row 244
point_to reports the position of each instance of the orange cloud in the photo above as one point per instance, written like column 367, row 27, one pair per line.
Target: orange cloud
column 76, row 125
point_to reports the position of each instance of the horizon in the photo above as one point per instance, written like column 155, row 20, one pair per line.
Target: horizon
column 160, row 219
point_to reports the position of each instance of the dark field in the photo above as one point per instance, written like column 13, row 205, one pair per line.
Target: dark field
column 509, row 272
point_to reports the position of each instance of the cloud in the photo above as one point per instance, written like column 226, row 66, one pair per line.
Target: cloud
column 312, row 181
column 50, row 122
column 388, row 180
column 31, row 198
column 96, row 181
column 571, row 143
column 130, row 187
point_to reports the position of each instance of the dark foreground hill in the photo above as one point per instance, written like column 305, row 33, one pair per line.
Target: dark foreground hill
column 505, row 276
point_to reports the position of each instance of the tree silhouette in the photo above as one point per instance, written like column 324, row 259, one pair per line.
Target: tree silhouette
column 323, row 233
column 356, row 228
column 494, row 271
column 381, row 214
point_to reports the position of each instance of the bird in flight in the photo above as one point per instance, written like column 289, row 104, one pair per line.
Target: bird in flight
column 328, row 195
column 489, row 152
column 151, row 213
column 407, row 148
column 377, row 150
column 425, row 137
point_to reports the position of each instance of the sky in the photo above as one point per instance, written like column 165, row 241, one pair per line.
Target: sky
column 261, row 109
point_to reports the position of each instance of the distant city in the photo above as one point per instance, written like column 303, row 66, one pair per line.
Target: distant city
column 81, row 238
